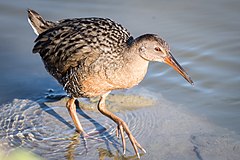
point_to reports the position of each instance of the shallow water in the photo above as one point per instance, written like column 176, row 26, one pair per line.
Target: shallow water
column 200, row 122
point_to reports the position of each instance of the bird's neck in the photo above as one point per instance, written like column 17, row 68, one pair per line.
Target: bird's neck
column 132, row 71
column 132, row 56
column 135, row 66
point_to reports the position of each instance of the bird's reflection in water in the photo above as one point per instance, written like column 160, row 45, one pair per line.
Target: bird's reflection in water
column 104, row 153
column 77, row 139
column 74, row 142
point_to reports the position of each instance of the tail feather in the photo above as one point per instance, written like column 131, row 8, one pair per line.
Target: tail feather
column 37, row 23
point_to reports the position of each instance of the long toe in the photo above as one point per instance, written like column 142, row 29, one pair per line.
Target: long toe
column 122, row 127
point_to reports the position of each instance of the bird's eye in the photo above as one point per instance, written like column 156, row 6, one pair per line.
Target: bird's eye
column 157, row 49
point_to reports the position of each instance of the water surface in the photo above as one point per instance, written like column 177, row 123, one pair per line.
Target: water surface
column 200, row 122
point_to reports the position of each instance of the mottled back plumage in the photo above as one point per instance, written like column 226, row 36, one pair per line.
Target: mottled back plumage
column 73, row 49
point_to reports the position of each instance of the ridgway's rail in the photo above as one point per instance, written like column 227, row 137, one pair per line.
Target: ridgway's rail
column 93, row 56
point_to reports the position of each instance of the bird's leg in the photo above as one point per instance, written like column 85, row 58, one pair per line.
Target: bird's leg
column 122, row 126
column 72, row 111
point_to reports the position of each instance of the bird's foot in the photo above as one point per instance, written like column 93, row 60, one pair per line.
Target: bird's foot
column 121, row 128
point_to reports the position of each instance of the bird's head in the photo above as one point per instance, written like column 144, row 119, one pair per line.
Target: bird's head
column 153, row 48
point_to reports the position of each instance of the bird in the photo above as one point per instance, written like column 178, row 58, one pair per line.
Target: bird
column 92, row 56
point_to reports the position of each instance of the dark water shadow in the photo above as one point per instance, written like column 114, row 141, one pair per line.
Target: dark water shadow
column 51, row 112
column 104, row 136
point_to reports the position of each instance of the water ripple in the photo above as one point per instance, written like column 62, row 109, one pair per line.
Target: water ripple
column 47, row 129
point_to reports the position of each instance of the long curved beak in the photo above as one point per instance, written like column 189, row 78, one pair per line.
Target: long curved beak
column 171, row 61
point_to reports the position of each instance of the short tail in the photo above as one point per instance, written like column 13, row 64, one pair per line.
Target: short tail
column 37, row 23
